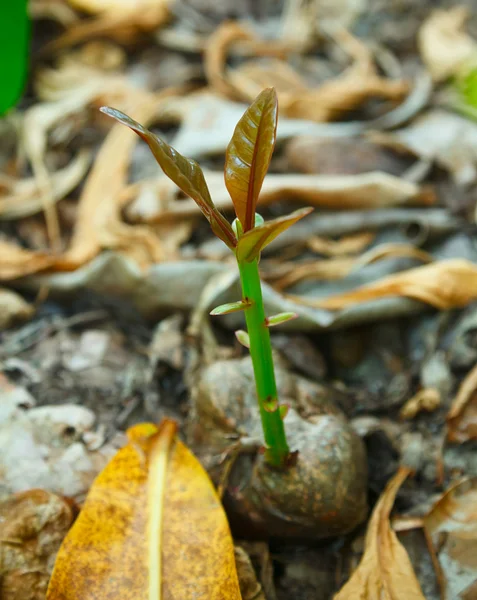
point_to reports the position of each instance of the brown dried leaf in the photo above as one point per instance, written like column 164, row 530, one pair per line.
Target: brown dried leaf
column 248, row 155
column 443, row 43
column 33, row 525
column 385, row 571
column 462, row 416
column 445, row 285
column 451, row 525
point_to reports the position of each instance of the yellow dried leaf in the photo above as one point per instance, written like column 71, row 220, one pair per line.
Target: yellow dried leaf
column 462, row 416
column 385, row 571
column 443, row 43
column 152, row 528
column 444, row 285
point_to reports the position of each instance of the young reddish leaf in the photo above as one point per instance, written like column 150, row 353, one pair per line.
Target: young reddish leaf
column 248, row 155
column 151, row 528
column 231, row 307
column 280, row 318
column 184, row 172
column 251, row 243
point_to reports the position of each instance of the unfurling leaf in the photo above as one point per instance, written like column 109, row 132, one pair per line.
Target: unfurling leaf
column 231, row 307
column 243, row 338
column 184, row 172
column 248, row 155
column 271, row 404
column 152, row 528
column 280, row 318
column 385, row 571
column 252, row 243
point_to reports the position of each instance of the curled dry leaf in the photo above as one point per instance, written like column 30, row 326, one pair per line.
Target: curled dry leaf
column 451, row 525
column 427, row 399
column 296, row 99
column 444, row 45
column 444, row 285
column 54, row 10
column 24, row 197
column 385, row 571
column 151, row 528
column 461, row 418
column 121, row 20
column 33, row 525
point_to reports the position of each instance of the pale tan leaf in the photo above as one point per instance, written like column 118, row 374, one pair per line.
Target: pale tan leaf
column 444, row 45
column 385, row 571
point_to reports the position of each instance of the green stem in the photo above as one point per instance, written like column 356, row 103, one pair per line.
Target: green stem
column 277, row 450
